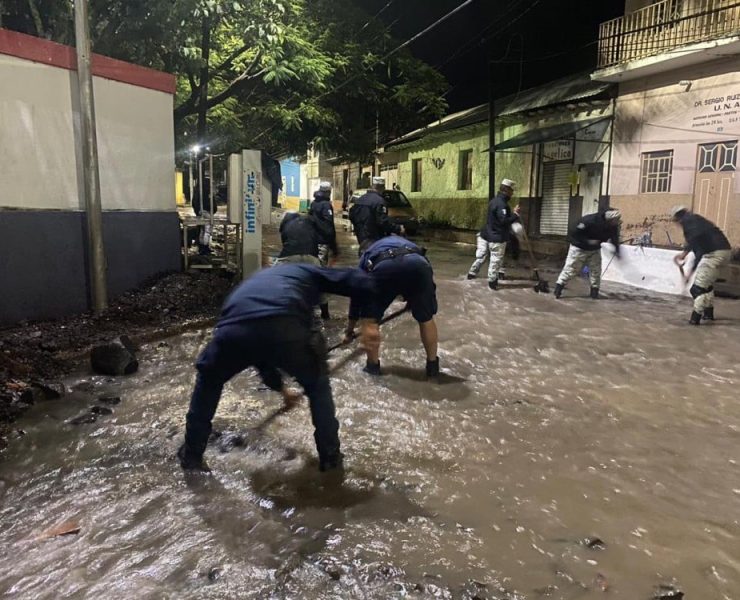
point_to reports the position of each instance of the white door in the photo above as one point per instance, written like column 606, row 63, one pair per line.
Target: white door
column 590, row 187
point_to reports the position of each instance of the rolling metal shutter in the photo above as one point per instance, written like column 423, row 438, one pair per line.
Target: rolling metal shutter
column 555, row 198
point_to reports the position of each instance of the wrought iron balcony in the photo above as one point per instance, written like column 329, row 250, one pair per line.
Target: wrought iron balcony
column 666, row 26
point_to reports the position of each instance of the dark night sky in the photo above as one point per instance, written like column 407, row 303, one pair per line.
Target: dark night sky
column 518, row 33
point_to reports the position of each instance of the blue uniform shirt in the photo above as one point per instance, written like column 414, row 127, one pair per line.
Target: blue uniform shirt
column 410, row 276
column 291, row 290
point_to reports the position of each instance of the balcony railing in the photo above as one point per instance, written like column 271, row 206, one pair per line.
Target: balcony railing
column 666, row 26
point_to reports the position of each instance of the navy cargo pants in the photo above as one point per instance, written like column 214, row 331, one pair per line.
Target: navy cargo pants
column 284, row 343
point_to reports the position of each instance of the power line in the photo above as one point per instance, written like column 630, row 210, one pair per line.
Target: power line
column 382, row 59
column 484, row 38
column 365, row 26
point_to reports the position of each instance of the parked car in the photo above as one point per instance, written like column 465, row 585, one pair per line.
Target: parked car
column 400, row 211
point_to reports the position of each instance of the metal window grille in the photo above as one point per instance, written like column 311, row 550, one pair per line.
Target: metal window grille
column 465, row 170
column 416, row 175
column 718, row 156
column 656, row 172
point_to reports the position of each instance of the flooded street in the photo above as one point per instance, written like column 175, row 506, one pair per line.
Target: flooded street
column 559, row 425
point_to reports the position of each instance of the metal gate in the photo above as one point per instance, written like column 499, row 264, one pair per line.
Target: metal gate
column 555, row 198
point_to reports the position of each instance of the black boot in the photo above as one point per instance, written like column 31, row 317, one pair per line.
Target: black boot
column 372, row 368
column 190, row 463
column 332, row 463
column 493, row 284
column 433, row 367
column 472, row 276
column 695, row 318
column 594, row 293
column 502, row 276
column 558, row 290
column 708, row 314
column 325, row 311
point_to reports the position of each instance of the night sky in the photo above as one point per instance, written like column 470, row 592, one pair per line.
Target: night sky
column 531, row 41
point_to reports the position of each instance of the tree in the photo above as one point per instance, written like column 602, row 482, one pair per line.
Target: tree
column 270, row 73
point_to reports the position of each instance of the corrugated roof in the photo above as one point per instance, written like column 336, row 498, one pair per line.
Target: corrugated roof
column 561, row 91
column 464, row 118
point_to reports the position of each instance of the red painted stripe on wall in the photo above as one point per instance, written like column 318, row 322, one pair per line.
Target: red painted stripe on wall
column 43, row 51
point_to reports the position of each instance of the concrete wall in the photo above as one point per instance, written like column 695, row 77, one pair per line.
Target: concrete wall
column 439, row 199
column 39, row 120
column 659, row 114
column 42, row 223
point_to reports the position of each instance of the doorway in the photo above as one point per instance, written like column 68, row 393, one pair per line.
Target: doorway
column 590, row 177
column 715, row 177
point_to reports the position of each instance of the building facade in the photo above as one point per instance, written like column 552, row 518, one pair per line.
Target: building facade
column 42, row 206
column 677, row 114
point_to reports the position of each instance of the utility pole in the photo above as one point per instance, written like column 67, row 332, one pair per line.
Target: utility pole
column 90, row 165
column 491, row 132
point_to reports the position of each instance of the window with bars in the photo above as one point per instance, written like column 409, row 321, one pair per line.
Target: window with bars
column 719, row 156
column 656, row 172
column 416, row 175
column 465, row 170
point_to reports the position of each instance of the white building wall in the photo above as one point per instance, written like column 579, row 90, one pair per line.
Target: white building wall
column 39, row 120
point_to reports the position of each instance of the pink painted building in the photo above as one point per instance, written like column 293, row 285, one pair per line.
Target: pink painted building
column 677, row 113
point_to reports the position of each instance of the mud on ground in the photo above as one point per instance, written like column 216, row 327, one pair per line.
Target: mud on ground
column 45, row 350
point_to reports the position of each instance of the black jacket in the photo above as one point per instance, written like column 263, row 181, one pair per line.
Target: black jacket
column 299, row 235
column 702, row 236
column 592, row 230
column 369, row 217
column 500, row 218
column 323, row 213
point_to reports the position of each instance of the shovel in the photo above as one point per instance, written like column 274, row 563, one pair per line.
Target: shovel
column 541, row 286
column 288, row 407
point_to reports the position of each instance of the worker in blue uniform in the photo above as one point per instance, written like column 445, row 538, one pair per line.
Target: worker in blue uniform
column 267, row 323
column 399, row 268
column 369, row 216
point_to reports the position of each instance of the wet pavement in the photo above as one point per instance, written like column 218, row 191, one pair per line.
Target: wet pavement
column 573, row 448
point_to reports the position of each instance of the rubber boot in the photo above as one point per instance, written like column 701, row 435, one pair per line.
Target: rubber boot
column 708, row 314
column 558, row 290
column 433, row 367
column 502, row 276
column 695, row 318
column 372, row 368
column 594, row 293
column 189, row 463
column 332, row 463
column 325, row 311
column 493, row 284
column 472, row 276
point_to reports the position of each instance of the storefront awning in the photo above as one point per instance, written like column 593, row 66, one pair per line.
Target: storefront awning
column 549, row 134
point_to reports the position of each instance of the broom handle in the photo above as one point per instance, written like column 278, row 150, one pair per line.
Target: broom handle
column 287, row 408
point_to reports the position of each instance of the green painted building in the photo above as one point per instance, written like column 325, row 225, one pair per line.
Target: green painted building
column 444, row 168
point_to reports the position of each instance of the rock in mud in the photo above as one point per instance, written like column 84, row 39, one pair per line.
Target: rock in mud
column 594, row 543
column 476, row 590
column 230, row 440
column 84, row 418
column 214, row 574
column 101, row 410
column 39, row 391
column 115, row 358
column 110, row 400
column 667, row 592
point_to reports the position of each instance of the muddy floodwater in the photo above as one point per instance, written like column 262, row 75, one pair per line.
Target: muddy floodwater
column 574, row 449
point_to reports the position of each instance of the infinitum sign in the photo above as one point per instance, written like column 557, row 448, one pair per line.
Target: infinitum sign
column 251, row 218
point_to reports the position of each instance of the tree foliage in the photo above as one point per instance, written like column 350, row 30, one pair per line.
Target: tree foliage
column 275, row 74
